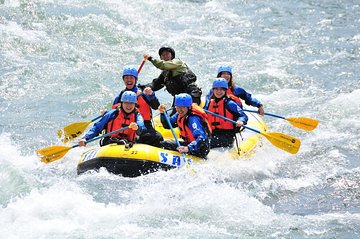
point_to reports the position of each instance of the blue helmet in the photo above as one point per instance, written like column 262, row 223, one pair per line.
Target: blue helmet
column 220, row 83
column 169, row 49
column 224, row 69
column 183, row 100
column 129, row 96
column 130, row 71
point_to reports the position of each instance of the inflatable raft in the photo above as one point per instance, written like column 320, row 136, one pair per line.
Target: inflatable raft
column 141, row 159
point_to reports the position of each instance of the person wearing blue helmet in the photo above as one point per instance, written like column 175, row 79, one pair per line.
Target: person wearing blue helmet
column 226, row 72
column 146, row 101
column 223, row 132
column 115, row 119
column 194, row 127
column 176, row 76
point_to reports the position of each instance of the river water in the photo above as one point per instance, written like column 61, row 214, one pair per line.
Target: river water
column 61, row 62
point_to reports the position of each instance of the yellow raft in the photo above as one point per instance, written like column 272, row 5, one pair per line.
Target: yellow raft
column 142, row 159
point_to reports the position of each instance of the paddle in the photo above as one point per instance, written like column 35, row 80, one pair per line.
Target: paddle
column 280, row 140
column 177, row 142
column 53, row 153
column 141, row 65
column 76, row 129
column 299, row 122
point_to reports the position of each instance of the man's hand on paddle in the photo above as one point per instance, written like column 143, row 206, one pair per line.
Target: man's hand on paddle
column 183, row 149
column 162, row 108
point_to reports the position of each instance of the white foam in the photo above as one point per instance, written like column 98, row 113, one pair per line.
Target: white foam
column 16, row 30
column 10, row 154
column 351, row 100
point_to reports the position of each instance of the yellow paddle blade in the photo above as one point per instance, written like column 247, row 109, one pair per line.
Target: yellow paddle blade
column 52, row 153
column 283, row 141
column 73, row 131
column 303, row 123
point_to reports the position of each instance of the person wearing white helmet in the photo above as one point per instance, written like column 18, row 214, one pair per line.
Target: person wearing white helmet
column 176, row 76
column 125, row 115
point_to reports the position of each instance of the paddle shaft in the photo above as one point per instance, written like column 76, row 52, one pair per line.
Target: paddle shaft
column 299, row 122
column 176, row 139
column 232, row 121
column 141, row 65
column 96, row 118
column 104, row 135
column 280, row 140
column 274, row 115
column 172, row 130
column 100, row 136
column 53, row 153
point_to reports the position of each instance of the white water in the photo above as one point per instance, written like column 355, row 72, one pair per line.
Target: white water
column 61, row 62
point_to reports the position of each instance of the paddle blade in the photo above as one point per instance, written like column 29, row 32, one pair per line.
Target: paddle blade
column 72, row 131
column 303, row 123
column 283, row 141
column 52, row 153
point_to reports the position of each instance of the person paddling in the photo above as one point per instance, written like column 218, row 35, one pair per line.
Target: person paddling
column 233, row 89
column 223, row 132
column 125, row 115
column 194, row 128
column 146, row 101
column 176, row 76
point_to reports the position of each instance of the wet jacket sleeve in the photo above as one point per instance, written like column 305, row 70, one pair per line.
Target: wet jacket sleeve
column 153, row 100
column 249, row 100
column 194, row 124
column 167, row 65
column 140, row 123
column 176, row 66
column 100, row 125
column 117, row 100
column 207, row 99
column 237, row 111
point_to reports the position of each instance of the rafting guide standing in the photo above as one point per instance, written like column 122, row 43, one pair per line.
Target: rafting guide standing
column 176, row 76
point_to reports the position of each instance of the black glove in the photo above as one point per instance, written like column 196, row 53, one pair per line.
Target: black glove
column 142, row 87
